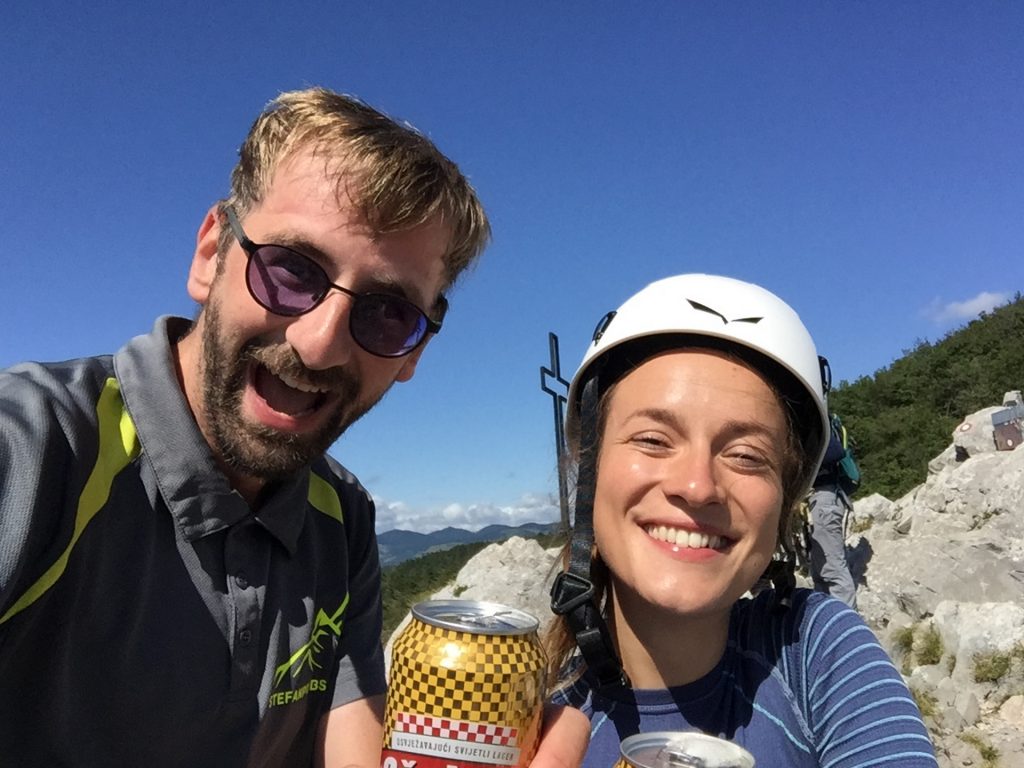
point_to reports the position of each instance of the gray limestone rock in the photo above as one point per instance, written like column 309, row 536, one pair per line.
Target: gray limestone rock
column 517, row 572
column 975, row 434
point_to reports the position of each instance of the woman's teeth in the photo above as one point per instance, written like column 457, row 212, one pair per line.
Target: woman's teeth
column 686, row 539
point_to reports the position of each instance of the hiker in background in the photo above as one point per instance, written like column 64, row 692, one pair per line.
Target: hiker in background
column 830, row 506
column 697, row 420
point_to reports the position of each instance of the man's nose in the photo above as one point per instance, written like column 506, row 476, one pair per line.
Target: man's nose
column 321, row 337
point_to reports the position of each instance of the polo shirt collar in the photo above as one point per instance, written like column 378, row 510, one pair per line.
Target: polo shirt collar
column 196, row 492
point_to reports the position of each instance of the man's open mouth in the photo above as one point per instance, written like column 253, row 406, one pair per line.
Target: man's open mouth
column 286, row 394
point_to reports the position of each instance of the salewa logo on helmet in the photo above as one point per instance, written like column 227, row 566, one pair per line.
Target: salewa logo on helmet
column 306, row 657
column 602, row 326
column 703, row 308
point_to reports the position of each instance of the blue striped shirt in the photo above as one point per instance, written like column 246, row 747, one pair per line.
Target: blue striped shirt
column 810, row 686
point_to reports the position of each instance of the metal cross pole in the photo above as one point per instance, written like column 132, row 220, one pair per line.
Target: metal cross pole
column 558, row 399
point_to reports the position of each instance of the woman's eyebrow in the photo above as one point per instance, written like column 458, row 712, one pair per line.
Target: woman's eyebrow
column 663, row 415
column 731, row 426
column 749, row 426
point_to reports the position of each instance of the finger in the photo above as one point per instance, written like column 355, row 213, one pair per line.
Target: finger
column 564, row 738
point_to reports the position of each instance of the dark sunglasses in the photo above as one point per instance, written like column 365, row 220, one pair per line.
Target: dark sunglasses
column 290, row 283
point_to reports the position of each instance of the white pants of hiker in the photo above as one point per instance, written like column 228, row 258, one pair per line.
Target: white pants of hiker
column 829, row 569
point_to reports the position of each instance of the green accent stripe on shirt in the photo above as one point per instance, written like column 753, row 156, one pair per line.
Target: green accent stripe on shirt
column 323, row 496
column 118, row 446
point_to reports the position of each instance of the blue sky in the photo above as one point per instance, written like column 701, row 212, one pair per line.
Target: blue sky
column 864, row 160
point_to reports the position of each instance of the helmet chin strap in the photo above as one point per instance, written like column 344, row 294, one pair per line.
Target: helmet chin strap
column 572, row 594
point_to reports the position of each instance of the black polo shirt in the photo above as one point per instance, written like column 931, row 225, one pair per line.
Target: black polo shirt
column 147, row 616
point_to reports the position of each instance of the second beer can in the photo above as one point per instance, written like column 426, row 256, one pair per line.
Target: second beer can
column 682, row 749
column 466, row 688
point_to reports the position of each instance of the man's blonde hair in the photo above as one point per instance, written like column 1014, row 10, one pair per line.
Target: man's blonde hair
column 395, row 177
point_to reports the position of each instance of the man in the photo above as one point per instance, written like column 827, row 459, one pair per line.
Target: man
column 829, row 504
column 186, row 578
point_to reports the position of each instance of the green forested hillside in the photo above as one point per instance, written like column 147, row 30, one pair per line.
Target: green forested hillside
column 404, row 585
column 904, row 415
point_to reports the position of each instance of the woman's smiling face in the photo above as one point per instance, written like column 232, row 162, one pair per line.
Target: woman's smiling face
column 689, row 485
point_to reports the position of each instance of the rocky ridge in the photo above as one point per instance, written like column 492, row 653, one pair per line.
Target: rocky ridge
column 940, row 577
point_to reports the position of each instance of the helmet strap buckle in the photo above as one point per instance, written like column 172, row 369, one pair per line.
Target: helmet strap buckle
column 569, row 591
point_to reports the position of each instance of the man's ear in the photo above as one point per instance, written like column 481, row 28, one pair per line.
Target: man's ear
column 204, row 261
column 409, row 363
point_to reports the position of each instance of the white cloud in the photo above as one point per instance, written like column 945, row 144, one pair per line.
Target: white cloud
column 453, row 513
column 985, row 301
column 394, row 514
column 531, row 508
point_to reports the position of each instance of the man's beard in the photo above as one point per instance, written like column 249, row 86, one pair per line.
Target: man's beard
column 256, row 450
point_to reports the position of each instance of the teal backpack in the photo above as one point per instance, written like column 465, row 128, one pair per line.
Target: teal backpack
column 846, row 468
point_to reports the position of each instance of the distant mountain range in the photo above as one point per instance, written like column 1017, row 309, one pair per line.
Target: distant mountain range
column 398, row 546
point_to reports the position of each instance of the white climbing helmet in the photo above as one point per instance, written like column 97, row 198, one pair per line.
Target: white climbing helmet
column 738, row 315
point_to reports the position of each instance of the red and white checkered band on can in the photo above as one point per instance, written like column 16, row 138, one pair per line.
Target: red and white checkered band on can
column 465, row 688
column 424, row 725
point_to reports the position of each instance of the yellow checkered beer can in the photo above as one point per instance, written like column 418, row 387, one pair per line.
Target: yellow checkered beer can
column 681, row 749
column 466, row 688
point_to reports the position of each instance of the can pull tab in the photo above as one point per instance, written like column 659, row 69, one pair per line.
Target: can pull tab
column 676, row 756
column 484, row 622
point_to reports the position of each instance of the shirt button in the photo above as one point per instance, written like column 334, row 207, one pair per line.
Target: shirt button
column 245, row 637
column 241, row 581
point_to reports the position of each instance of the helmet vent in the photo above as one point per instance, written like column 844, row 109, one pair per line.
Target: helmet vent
column 602, row 326
column 704, row 308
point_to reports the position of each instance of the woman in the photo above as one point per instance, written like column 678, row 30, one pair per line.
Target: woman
column 699, row 419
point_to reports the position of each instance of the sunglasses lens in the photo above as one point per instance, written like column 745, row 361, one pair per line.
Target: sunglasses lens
column 288, row 283
column 285, row 282
column 387, row 325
